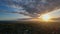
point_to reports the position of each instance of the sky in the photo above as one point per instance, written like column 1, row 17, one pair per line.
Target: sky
column 17, row 9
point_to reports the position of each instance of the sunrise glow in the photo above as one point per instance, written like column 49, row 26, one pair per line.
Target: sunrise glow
column 45, row 17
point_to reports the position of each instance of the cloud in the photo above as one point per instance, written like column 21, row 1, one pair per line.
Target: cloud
column 33, row 8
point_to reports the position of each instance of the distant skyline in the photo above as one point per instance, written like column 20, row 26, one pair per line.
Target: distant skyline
column 27, row 9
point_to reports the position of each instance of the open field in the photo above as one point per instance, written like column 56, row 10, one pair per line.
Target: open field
column 29, row 27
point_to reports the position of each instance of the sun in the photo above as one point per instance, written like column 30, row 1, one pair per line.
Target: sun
column 45, row 17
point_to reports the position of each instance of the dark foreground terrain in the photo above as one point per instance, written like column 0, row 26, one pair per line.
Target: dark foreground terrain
column 29, row 27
